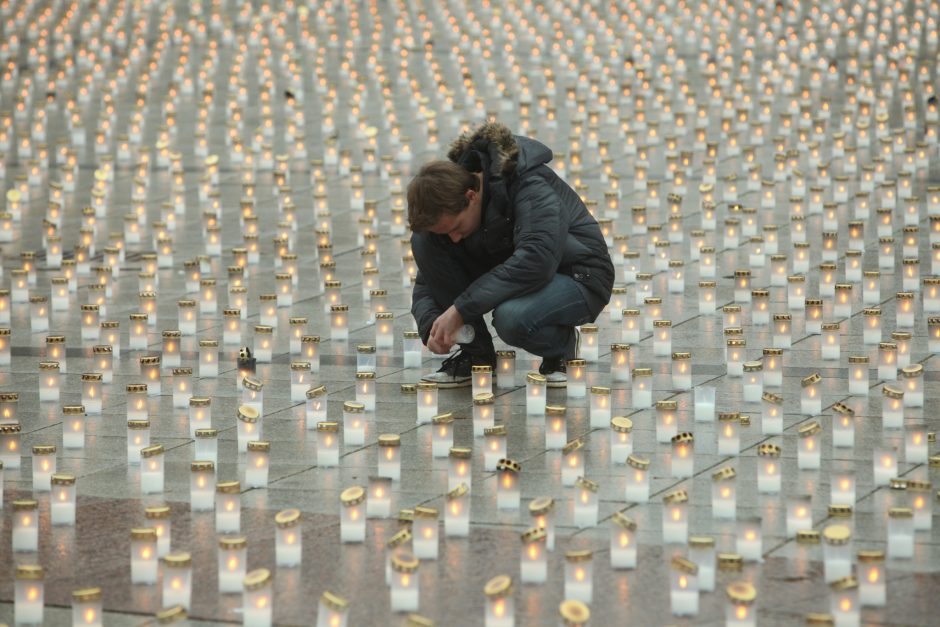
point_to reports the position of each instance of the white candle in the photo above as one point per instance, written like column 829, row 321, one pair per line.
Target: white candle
column 740, row 610
column 208, row 359
column 505, row 369
column 49, row 381
column 577, row 378
column 684, row 594
column 579, row 571
column 232, row 562
column 535, row 394
column 182, row 387
column 44, row 466
column 799, row 514
column 871, row 578
column 288, row 547
column 748, row 542
column 365, row 390
column 831, row 342
column 202, row 486
column 426, row 402
column 389, row 456
column 339, row 329
column 683, row 455
column 702, row 554
column 328, row 444
column 411, row 349
column 885, row 465
column 228, row 504
column 257, row 598
column 62, row 500
column 29, row 595
column 771, row 414
column 675, row 517
column 507, row 487
column 811, row 395
column 843, row 601
column 144, row 555
column 600, row 407
column 332, row 611
column 729, row 433
column 682, row 371
column 837, row 552
column 424, row 529
column 315, row 406
column 630, row 326
column 91, row 392
column 642, row 391
column 405, row 591
column 249, row 426
column 73, row 426
column 459, row 467
column 500, row 607
column 724, row 493
column 494, row 448
column 354, row 424
column 352, row 514
column 622, row 542
column 533, row 567
column 86, row 607
column 900, row 533
column 769, row 471
column 177, row 579
column 257, row 464
column 704, row 403
column 457, row 512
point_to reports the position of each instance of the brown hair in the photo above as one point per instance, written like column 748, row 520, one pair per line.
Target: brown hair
column 439, row 188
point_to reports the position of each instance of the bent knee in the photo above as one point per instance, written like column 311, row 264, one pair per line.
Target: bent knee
column 510, row 325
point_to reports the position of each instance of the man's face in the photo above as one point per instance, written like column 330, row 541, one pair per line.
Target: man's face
column 460, row 225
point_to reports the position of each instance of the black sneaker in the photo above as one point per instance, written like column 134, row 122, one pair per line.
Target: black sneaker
column 555, row 371
column 456, row 370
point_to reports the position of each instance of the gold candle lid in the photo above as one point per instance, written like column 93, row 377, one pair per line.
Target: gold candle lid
column 770, row 397
column 63, row 479
column 843, row 409
column 679, row 356
column 810, row 380
column 148, row 534
column 151, row 451
column 683, row 438
column 481, row 369
column 820, row 618
column 259, row 446
column 574, row 612
column 768, row 450
column 22, row 505
column 178, row 559
column 409, row 388
column 206, row 433
column 498, row 430
column 353, row 407
column 684, row 566
column 303, row 366
column 316, row 392
column 638, row 462
column 443, row 419
column 572, row 446
column 807, row 536
column 587, row 484
column 416, row 620
column 724, row 474
column 136, row 388
column 389, row 439
column 406, row 563
column 701, row 542
column 809, row 430
column 913, row 371
column 871, row 555
column 333, row 601
column 506, row 354
column 29, row 571
column 900, row 512
column 840, row 511
column 247, row 413
column 741, row 592
column 251, row 384
column 508, row 465
column 157, row 512
column 623, row 521
column 229, row 487
column 845, row 583
column 837, row 534
column 753, row 366
column 730, row 562
column 427, row 385
column 233, row 542
column 555, row 410
column 257, row 579
column 287, row 518
column 676, row 497
column 73, row 410
column 200, row 401
column 498, row 587
column 667, row 405
column 92, row 376
column 729, row 416
column 542, row 505
column 621, row 424
column 86, row 595
column 184, row 371
column 461, row 490
column 600, row 390
column 460, row 452
column 201, row 465
column 579, row 555
column 533, row 378
column 425, row 512
column 892, row 392
column 352, row 496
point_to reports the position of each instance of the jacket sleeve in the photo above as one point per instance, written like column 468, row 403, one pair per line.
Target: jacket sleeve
column 423, row 307
column 539, row 234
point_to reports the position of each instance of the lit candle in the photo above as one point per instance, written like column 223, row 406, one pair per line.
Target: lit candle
column 724, row 494
column 354, row 424
column 232, row 562
column 630, row 326
column 533, row 567
column 171, row 348
column 459, row 467
column 424, row 529
column 228, row 507
column 642, row 391
column 208, row 359
column 257, row 598
column 150, row 372
column 586, row 503
column 44, row 466
column 263, row 342
column 579, row 575
column 177, row 579
column 507, row 486
column 904, row 309
column 903, row 341
column 49, row 381
column 91, row 325
column 843, row 600
column 86, row 607
column 483, row 379
column 682, row 455
column 556, row 427
column 332, row 611
column 837, row 552
column 389, row 456
column 734, row 351
column 675, row 517
column 202, row 486
column 352, row 514
column 748, row 542
column 257, row 464
column 809, row 453
column 811, row 395
column 144, row 556
column 684, row 592
column 249, row 426
column 662, row 338
column 365, row 390
column 913, row 385
column 682, row 371
column 589, row 342
column 535, row 394
column 769, row 471
column 740, row 611
column 729, row 433
column 339, row 330
column 505, row 369
column 427, row 402
column 28, row 595
column 411, row 351
column 796, row 291
column 231, row 327
column 620, row 362
column 871, row 578
column 500, row 607
column 62, row 501
column 288, row 547
column 843, row 425
column 404, row 592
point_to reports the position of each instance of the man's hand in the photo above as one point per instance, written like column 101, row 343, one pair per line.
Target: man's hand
column 444, row 331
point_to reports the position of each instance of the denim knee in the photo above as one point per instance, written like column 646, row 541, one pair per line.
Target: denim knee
column 510, row 324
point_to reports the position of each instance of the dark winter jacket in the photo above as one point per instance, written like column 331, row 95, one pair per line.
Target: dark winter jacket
column 534, row 225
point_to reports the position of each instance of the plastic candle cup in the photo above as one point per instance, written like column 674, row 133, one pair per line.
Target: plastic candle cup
column 872, row 590
column 900, row 533
column 885, row 465
column 556, row 427
column 91, row 392
column 231, row 327
column 682, row 455
column 740, row 610
column 799, row 514
column 442, row 434
column 28, row 595
column 384, row 325
column 228, row 504
column 843, row 426
column 62, row 500
column 702, row 554
column 811, row 395
column 86, row 607
column 675, row 517
column 729, row 433
column 365, row 358
column 332, row 610
column 103, row 358
column 365, row 390
column 642, row 392
column 459, row 467
column 257, row 598
column 662, row 338
column 843, row 600
column 354, row 424
column 482, row 379
column 202, row 486
column 769, row 470
column 507, row 487
column 912, row 383
column 177, row 579
column 724, row 494
column 748, row 542
column 404, row 588
column 171, row 348
column 630, row 326
column 684, row 593
column 339, row 329
column 352, row 514
column 208, row 359
column 73, row 426
column 257, row 464
column 389, row 456
column 150, row 372
column 533, row 567
column 536, row 386
column 425, row 542
column 182, row 387
column 494, row 447
column 233, row 562
column 589, row 342
column 426, row 402
column 572, row 464
column 600, row 407
column 288, row 547
column 249, row 426
column 771, row 414
column 579, row 575
column 623, row 545
column 144, row 560
column 837, row 552
column 49, row 381
column 505, row 369
column 411, row 349
column 44, row 466
column 500, row 607
column 457, row 512
column 577, row 378
column 263, row 342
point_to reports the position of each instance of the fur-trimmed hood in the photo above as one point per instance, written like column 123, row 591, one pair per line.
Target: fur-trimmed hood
column 508, row 154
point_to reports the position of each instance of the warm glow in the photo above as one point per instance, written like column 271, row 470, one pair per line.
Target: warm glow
column 683, row 582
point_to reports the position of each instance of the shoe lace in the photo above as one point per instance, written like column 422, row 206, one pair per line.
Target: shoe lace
column 450, row 363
